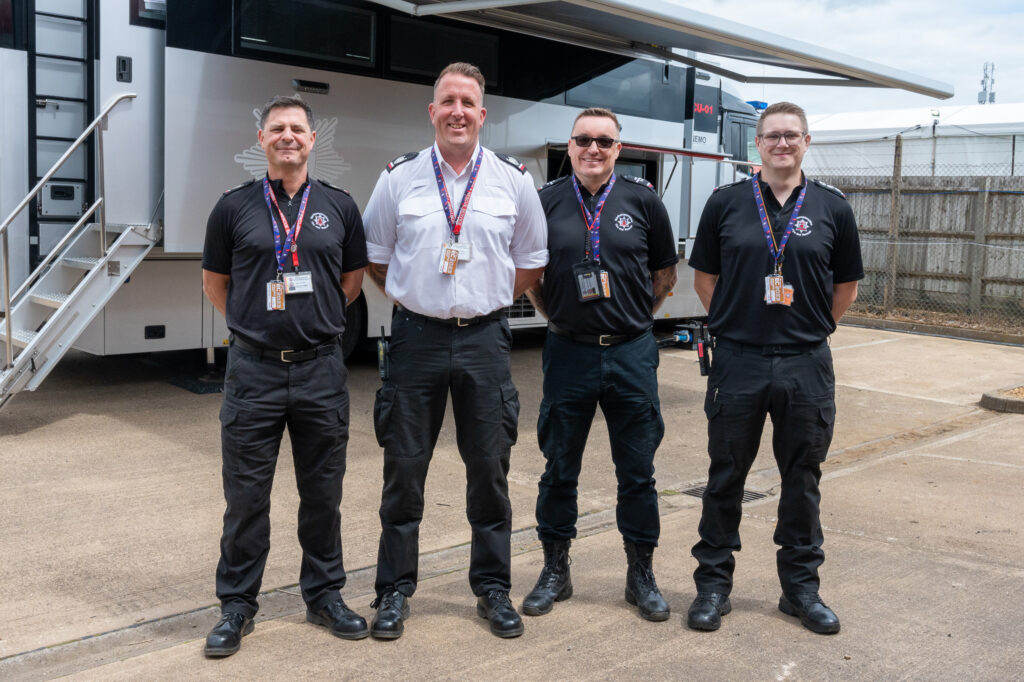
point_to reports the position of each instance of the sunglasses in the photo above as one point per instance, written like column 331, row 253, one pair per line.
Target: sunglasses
column 583, row 141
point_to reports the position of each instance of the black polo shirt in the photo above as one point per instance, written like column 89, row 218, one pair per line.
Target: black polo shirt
column 240, row 243
column 822, row 250
column 636, row 239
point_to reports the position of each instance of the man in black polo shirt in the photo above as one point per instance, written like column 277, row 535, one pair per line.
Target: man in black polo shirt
column 282, row 259
column 776, row 263
column 612, row 262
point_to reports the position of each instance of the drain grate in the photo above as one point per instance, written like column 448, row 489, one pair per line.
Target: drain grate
column 748, row 495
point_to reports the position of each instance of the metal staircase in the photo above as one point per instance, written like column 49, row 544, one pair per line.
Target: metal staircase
column 72, row 283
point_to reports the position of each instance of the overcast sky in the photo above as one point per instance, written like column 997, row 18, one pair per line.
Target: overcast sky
column 947, row 40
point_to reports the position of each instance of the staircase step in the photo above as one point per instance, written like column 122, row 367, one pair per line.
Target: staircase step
column 22, row 337
column 50, row 300
column 82, row 262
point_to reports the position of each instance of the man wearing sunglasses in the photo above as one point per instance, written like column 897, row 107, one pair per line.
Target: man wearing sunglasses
column 776, row 262
column 612, row 262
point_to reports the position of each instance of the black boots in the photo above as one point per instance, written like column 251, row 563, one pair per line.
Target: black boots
column 641, row 589
column 812, row 612
column 226, row 636
column 707, row 610
column 554, row 583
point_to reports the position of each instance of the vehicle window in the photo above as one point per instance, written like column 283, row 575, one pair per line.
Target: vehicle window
column 313, row 29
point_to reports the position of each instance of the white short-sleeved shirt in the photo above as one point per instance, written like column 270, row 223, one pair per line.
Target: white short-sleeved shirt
column 406, row 229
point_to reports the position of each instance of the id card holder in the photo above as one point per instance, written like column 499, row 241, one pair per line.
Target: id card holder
column 777, row 292
column 465, row 250
column 275, row 295
column 588, row 281
column 449, row 259
column 298, row 282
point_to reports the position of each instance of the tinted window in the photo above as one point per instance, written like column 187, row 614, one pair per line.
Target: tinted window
column 315, row 29
column 422, row 49
column 6, row 23
column 142, row 13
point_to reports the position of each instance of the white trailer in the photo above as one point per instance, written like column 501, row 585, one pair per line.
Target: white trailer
column 105, row 255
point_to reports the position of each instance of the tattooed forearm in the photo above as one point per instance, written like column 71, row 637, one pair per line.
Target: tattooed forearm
column 663, row 281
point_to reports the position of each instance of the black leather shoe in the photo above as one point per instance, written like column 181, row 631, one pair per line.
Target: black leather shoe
column 641, row 588
column 340, row 620
column 496, row 607
column 226, row 636
column 813, row 613
column 554, row 583
column 707, row 610
column 392, row 610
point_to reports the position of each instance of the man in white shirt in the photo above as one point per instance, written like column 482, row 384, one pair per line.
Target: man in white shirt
column 455, row 233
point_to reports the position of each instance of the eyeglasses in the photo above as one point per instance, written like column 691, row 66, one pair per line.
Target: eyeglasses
column 584, row 141
column 790, row 136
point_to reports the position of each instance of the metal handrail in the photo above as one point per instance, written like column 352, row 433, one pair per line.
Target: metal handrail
column 94, row 126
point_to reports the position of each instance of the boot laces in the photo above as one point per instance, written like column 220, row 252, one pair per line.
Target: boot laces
column 385, row 601
column 499, row 598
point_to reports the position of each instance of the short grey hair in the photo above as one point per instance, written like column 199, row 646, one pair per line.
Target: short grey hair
column 285, row 102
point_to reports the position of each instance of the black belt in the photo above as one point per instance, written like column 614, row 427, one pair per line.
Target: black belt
column 777, row 349
column 287, row 356
column 454, row 321
column 598, row 339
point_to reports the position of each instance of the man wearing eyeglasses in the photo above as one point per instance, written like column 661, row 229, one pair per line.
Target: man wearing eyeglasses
column 612, row 262
column 776, row 262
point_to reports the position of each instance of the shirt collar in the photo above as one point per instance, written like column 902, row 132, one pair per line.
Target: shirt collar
column 444, row 164
column 276, row 185
column 766, row 190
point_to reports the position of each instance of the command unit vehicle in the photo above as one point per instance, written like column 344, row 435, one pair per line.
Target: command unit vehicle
column 149, row 109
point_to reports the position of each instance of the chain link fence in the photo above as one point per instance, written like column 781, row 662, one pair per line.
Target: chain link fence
column 942, row 243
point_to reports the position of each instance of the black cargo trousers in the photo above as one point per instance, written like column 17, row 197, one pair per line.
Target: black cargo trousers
column 262, row 395
column 794, row 384
column 429, row 358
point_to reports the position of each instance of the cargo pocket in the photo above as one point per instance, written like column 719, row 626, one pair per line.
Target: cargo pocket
column 383, row 406
column 510, row 412
column 824, row 429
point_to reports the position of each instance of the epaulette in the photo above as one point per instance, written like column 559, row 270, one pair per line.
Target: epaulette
column 639, row 181
column 329, row 185
column 731, row 184
column 238, row 187
column 512, row 161
column 830, row 188
column 552, row 183
column 395, row 163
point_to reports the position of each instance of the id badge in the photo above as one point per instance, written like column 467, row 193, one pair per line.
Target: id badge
column 776, row 291
column 588, row 281
column 449, row 259
column 298, row 282
column 606, row 286
column 275, row 295
column 465, row 250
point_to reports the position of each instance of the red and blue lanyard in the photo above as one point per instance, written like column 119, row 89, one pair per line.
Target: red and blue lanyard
column 289, row 245
column 593, row 221
column 455, row 222
column 777, row 252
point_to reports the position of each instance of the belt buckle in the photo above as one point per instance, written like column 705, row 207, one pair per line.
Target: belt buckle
column 459, row 323
column 284, row 359
column 601, row 339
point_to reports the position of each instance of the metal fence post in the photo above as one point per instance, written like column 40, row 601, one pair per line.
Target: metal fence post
column 892, row 248
column 976, row 253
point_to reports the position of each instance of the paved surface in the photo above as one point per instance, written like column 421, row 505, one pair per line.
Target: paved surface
column 111, row 505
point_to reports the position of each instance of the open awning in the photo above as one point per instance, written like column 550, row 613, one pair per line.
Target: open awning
column 665, row 30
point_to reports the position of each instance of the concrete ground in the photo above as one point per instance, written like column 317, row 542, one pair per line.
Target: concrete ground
column 111, row 510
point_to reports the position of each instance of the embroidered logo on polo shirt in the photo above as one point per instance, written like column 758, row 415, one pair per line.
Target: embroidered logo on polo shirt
column 319, row 221
column 623, row 221
column 802, row 226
